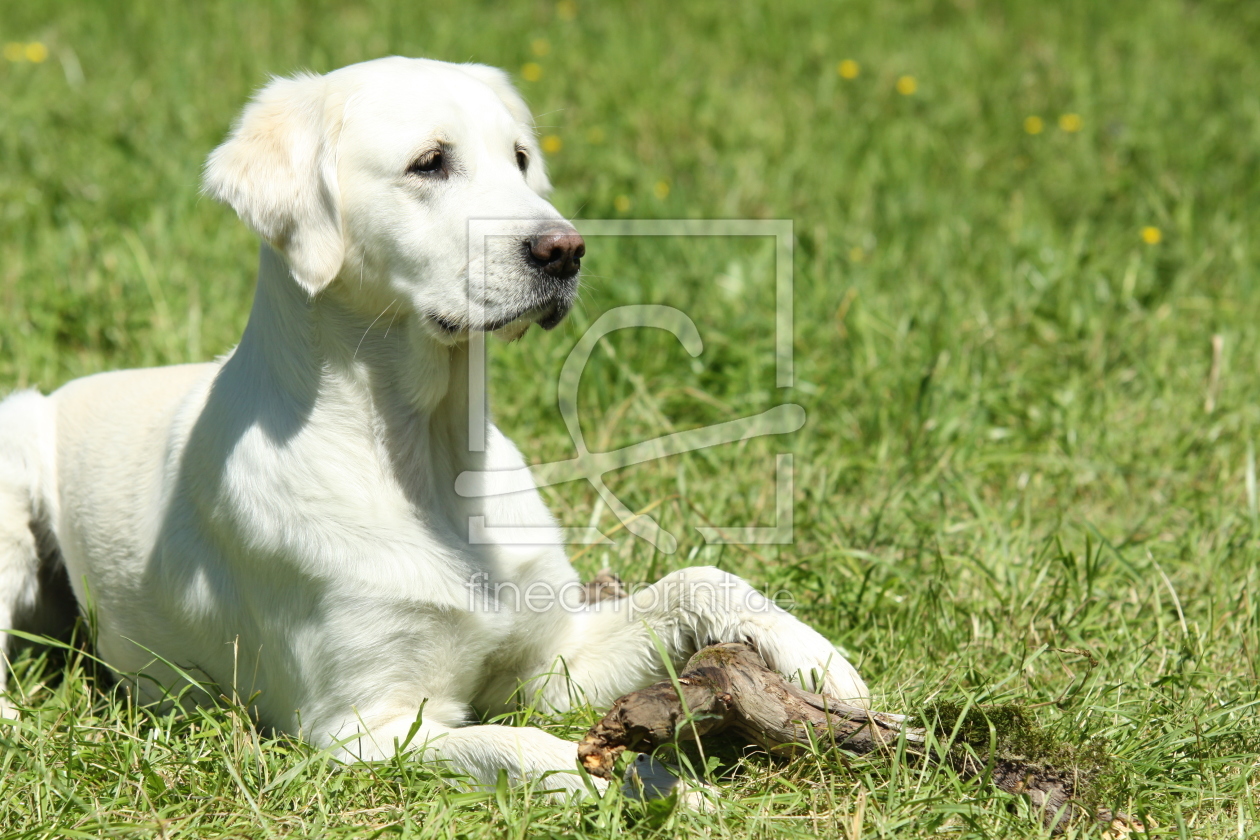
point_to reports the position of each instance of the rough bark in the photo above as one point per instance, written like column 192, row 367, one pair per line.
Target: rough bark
column 727, row 688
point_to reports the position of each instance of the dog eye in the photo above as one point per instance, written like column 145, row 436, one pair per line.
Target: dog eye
column 522, row 160
column 427, row 163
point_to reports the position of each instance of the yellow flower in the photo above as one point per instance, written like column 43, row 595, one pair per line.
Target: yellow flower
column 1033, row 125
column 566, row 10
column 36, row 52
column 907, row 85
column 1151, row 235
column 848, row 69
column 857, row 254
column 1071, row 122
column 621, row 203
column 531, row 72
column 661, row 190
column 540, row 46
column 552, row 144
column 595, row 135
column 13, row 51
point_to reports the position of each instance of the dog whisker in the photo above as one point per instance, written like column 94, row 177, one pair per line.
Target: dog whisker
column 390, row 325
column 369, row 328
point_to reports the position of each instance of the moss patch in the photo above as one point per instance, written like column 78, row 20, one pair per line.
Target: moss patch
column 1009, row 731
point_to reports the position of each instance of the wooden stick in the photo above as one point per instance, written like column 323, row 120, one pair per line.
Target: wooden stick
column 728, row 688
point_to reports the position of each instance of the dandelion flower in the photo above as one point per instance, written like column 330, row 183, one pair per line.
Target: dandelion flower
column 566, row 10
column 621, row 203
column 36, row 52
column 552, row 144
column 540, row 47
column 661, row 190
column 907, row 85
column 531, row 72
column 14, row 51
column 1151, row 235
column 1033, row 125
column 848, row 69
column 1071, row 123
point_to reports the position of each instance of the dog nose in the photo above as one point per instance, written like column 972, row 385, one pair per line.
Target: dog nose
column 558, row 252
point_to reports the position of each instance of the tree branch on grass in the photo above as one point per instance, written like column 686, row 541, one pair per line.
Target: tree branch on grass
column 728, row 689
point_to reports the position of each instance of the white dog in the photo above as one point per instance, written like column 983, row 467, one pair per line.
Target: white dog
column 283, row 523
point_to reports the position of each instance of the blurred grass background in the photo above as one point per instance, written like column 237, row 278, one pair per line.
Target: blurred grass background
column 1026, row 295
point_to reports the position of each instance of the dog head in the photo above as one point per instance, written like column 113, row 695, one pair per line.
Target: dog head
column 369, row 179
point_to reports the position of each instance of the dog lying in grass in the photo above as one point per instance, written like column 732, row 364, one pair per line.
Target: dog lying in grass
column 282, row 524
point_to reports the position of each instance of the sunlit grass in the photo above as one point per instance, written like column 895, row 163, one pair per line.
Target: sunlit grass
column 1026, row 286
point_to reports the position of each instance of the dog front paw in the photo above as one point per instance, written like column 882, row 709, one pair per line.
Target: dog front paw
column 804, row 656
column 8, row 714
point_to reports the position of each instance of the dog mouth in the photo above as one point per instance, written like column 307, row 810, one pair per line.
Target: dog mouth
column 510, row 327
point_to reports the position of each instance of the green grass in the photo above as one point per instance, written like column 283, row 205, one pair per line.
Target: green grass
column 1023, row 478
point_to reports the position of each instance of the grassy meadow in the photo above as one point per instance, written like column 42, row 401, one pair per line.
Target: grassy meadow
column 1027, row 280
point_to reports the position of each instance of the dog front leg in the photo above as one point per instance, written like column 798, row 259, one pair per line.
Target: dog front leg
column 614, row 647
column 527, row 755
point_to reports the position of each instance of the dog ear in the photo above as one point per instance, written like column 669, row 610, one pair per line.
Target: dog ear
column 536, row 175
column 278, row 171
